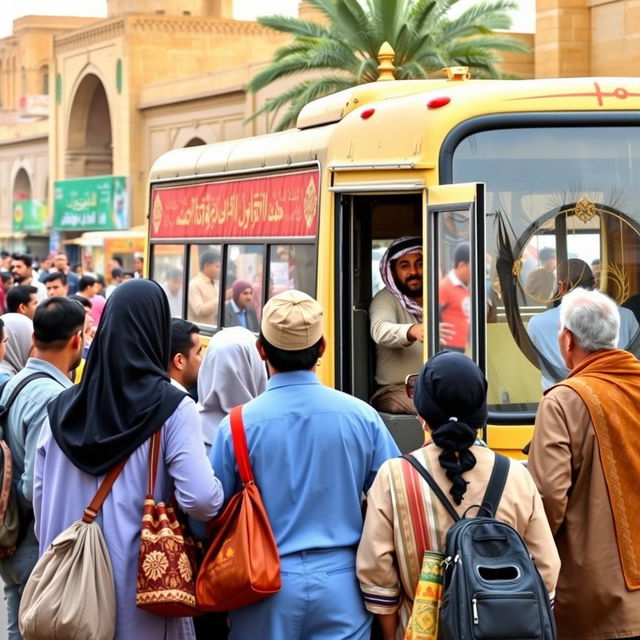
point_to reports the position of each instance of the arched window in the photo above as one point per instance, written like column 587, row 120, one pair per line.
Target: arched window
column 44, row 79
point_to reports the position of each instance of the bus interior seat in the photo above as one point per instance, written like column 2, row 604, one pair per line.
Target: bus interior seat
column 405, row 430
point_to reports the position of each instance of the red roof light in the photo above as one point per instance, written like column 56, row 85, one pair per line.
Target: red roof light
column 367, row 113
column 436, row 103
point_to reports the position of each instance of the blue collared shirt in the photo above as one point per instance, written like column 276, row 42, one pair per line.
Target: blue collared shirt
column 241, row 313
column 25, row 419
column 313, row 450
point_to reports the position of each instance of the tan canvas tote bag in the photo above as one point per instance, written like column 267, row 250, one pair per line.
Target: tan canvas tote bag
column 70, row 593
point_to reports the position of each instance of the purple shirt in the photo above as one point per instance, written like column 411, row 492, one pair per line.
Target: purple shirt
column 62, row 491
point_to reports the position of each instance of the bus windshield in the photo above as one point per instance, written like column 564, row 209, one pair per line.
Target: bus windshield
column 562, row 203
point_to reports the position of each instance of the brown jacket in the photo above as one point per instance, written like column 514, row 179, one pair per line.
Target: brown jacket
column 592, row 601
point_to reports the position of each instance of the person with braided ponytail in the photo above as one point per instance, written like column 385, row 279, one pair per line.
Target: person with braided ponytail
column 404, row 519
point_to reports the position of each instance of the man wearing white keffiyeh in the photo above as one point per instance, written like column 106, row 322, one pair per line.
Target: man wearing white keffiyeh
column 396, row 324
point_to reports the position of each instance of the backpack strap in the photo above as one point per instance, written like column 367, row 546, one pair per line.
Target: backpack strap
column 4, row 408
column 496, row 484
column 432, row 484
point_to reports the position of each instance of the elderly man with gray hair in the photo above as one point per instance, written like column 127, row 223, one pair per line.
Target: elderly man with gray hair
column 585, row 460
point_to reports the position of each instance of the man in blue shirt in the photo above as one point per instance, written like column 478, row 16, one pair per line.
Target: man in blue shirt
column 314, row 452
column 543, row 328
column 58, row 338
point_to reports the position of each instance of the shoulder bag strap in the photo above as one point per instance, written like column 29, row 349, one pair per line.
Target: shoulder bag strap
column 240, row 445
column 20, row 386
column 92, row 510
column 496, row 484
column 432, row 484
column 154, row 456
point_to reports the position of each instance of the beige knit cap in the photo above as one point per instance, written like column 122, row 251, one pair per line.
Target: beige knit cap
column 292, row 321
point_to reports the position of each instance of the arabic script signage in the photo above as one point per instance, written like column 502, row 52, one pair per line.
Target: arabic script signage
column 282, row 205
column 99, row 204
column 30, row 215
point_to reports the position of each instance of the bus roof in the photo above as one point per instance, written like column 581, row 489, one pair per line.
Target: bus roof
column 402, row 121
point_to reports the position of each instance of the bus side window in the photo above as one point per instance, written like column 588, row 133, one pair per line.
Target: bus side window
column 292, row 266
column 243, row 286
column 203, row 291
column 167, row 269
column 454, row 280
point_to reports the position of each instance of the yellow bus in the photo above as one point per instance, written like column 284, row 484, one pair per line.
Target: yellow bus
column 529, row 172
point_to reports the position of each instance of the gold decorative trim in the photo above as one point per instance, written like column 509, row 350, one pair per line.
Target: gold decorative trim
column 621, row 280
column 585, row 210
column 516, row 268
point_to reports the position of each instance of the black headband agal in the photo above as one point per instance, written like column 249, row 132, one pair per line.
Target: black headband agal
column 409, row 243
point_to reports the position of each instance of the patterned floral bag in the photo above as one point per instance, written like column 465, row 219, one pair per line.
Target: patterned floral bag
column 167, row 563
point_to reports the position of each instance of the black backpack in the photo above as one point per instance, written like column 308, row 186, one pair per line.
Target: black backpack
column 14, row 522
column 492, row 588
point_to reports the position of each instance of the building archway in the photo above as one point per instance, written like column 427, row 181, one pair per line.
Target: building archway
column 21, row 186
column 90, row 140
column 195, row 142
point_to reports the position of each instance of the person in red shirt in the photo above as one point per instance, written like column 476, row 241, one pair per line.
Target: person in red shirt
column 454, row 299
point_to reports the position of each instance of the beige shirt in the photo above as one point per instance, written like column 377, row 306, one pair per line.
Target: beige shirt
column 203, row 300
column 396, row 356
column 592, row 601
column 378, row 565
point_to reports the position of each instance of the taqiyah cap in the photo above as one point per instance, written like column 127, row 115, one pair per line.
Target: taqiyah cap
column 292, row 321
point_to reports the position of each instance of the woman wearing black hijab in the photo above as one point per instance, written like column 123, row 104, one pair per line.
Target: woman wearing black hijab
column 404, row 519
column 124, row 397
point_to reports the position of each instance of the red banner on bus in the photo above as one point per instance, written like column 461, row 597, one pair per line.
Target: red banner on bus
column 283, row 205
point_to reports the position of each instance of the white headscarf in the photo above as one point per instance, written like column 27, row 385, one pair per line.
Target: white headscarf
column 19, row 331
column 397, row 249
column 231, row 373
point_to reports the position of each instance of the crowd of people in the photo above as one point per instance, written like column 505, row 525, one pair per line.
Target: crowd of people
column 315, row 453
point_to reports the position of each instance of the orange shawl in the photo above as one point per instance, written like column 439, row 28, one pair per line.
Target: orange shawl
column 609, row 384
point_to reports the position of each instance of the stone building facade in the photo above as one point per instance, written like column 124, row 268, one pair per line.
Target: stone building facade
column 83, row 98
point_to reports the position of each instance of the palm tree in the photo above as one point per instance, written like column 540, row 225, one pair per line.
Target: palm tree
column 343, row 50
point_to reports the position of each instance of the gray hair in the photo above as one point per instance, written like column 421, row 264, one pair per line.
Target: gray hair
column 592, row 317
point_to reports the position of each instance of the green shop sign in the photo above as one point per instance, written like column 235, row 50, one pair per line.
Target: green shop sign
column 30, row 215
column 98, row 204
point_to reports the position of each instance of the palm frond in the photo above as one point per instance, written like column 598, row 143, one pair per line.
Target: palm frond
column 303, row 93
column 294, row 26
column 344, row 51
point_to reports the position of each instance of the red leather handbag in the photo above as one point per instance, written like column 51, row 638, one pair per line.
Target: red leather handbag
column 241, row 565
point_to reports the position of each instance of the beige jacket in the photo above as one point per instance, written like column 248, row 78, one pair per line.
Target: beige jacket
column 592, row 601
column 396, row 357
column 203, row 300
column 383, row 569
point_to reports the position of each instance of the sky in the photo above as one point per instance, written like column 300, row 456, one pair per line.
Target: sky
column 523, row 20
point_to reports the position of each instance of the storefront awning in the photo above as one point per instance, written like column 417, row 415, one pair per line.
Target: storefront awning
column 97, row 238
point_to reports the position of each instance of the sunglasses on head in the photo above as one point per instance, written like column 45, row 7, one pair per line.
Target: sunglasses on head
column 410, row 384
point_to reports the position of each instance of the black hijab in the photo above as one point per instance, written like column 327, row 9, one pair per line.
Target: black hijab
column 125, row 394
column 451, row 395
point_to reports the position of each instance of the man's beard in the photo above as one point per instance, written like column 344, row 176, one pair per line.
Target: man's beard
column 19, row 279
column 407, row 291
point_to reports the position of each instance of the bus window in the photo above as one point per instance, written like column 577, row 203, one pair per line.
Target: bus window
column 561, row 203
column 292, row 266
column 243, row 285
column 454, row 281
column 167, row 269
column 203, row 291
